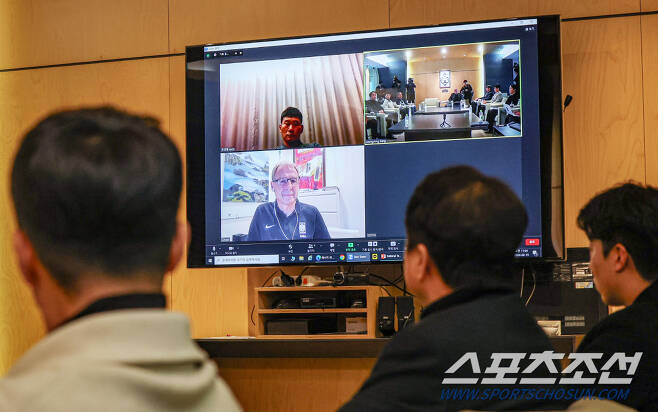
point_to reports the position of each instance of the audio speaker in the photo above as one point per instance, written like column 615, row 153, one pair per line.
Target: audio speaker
column 405, row 305
column 386, row 315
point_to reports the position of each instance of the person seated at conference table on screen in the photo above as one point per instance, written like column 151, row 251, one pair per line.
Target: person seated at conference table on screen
column 512, row 100
column 286, row 218
column 402, row 104
column 291, row 128
column 496, row 98
column 478, row 105
column 388, row 103
column 455, row 97
column 373, row 107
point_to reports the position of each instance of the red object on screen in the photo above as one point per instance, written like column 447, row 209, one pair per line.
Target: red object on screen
column 310, row 163
column 532, row 242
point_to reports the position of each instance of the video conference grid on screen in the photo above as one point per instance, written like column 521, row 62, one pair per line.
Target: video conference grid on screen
column 316, row 144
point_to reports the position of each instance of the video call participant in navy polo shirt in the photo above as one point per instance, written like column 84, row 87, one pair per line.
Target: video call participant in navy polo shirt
column 286, row 218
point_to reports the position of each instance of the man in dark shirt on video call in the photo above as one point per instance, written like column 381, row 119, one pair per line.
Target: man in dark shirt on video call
column 478, row 104
column 463, row 229
column 286, row 218
column 622, row 226
column 291, row 128
column 373, row 107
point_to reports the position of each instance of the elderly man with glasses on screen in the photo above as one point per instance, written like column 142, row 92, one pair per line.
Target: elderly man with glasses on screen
column 286, row 218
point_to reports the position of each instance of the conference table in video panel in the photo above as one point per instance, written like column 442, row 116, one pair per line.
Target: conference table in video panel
column 435, row 123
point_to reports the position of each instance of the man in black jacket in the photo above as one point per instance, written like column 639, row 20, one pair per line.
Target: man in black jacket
column 455, row 97
column 373, row 107
column 467, row 92
column 463, row 229
column 478, row 104
column 622, row 226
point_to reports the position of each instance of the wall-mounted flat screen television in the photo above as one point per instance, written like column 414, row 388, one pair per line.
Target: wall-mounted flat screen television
column 305, row 150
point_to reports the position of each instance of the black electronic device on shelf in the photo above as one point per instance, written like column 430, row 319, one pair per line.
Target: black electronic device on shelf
column 386, row 315
column 405, row 311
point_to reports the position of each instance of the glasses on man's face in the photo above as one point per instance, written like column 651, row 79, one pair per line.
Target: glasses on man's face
column 285, row 180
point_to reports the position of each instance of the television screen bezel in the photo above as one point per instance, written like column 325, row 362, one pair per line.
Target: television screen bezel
column 551, row 134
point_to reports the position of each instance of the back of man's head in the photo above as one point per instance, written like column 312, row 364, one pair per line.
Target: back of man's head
column 626, row 214
column 471, row 225
column 97, row 191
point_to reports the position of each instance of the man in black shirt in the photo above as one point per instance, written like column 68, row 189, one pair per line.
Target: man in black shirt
column 467, row 92
column 513, row 98
column 291, row 128
column 402, row 103
column 479, row 103
column 411, row 90
column 512, row 103
column 373, row 107
column 463, row 229
column 455, row 97
column 399, row 100
column 622, row 227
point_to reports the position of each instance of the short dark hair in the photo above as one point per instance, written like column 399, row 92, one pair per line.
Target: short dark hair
column 514, row 86
column 465, row 81
column 497, row 86
column 97, row 190
column 470, row 223
column 626, row 214
column 292, row 112
column 489, row 86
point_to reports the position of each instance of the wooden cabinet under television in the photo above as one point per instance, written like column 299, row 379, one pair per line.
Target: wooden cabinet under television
column 326, row 312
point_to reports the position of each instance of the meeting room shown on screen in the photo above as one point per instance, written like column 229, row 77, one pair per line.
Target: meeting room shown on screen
column 309, row 193
column 325, row 91
column 451, row 92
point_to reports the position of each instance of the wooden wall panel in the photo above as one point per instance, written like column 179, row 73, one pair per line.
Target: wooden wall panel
column 649, row 5
column 43, row 32
column 215, row 300
column 426, row 75
column 209, row 21
column 427, row 12
column 603, row 133
column 141, row 86
column 285, row 384
column 650, row 80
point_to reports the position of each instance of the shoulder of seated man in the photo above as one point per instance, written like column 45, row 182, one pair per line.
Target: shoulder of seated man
column 627, row 325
